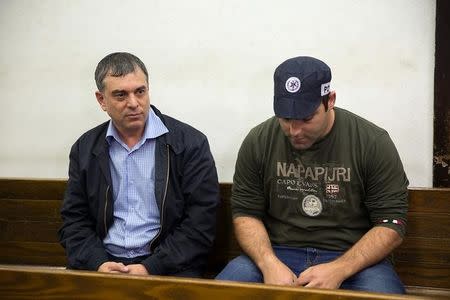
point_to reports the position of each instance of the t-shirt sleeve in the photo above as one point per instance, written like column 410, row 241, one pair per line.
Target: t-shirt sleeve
column 387, row 186
column 248, row 192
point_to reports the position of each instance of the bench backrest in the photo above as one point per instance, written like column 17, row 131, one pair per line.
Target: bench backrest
column 29, row 220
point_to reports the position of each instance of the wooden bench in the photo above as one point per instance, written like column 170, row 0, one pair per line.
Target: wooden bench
column 29, row 220
column 19, row 282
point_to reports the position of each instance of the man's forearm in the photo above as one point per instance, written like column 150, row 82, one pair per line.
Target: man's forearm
column 254, row 240
column 374, row 246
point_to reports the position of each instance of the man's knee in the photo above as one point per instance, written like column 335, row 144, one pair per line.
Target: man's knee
column 380, row 278
column 241, row 268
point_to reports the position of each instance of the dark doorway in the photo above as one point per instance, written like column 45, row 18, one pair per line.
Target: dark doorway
column 441, row 136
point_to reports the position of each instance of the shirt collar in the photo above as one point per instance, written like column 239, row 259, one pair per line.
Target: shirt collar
column 154, row 128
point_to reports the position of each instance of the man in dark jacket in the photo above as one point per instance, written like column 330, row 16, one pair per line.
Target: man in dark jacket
column 142, row 190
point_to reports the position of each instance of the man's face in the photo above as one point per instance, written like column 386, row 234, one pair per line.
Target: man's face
column 126, row 100
column 304, row 133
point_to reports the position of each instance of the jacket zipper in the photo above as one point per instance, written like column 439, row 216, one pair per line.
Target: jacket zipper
column 164, row 198
column 106, row 206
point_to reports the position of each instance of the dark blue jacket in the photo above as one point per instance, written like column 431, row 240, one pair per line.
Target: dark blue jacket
column 186, row 190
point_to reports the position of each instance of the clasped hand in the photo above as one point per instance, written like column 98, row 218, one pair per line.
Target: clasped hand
column 326, row 276
column 115, row 267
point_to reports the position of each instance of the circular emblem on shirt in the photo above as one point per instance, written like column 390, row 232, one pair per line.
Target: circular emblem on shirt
column 312, row 206
column 293, row 84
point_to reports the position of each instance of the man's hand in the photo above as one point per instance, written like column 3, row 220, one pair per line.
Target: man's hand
column 137, row 269
column 375, row 245
column 113, row 267
column 278, row 273
column 254, row 240
column 325, row 276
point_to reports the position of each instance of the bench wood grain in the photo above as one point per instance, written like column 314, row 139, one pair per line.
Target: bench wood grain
column 19, row 282
column 29, row 220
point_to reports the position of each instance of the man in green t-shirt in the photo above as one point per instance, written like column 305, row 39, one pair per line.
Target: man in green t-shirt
column 319, row 194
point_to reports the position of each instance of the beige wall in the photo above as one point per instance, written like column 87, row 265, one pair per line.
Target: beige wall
column 211, row 65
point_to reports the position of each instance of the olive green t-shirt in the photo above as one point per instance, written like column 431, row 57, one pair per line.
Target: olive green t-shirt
column 327, row 196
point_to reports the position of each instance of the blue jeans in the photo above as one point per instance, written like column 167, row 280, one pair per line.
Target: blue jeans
column 380, row 277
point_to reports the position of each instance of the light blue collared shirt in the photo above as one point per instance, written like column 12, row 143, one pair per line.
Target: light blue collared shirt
column 136, row 214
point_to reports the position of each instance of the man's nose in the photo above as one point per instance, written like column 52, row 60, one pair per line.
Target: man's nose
column 295, row 127
column 132, row 101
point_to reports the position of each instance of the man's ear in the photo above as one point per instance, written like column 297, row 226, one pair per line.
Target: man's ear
column 331, row 100
column 100, row 100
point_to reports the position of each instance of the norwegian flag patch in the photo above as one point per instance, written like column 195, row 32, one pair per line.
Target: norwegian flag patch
column 332, row 188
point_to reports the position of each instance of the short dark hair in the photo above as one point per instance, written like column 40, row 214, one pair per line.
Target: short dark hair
column 117, row 64
column 324, row 100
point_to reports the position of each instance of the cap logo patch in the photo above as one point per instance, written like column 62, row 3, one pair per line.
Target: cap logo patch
column 293, row 84
column 325, row 89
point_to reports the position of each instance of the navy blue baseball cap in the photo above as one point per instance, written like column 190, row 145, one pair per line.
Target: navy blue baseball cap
column 299, row 84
